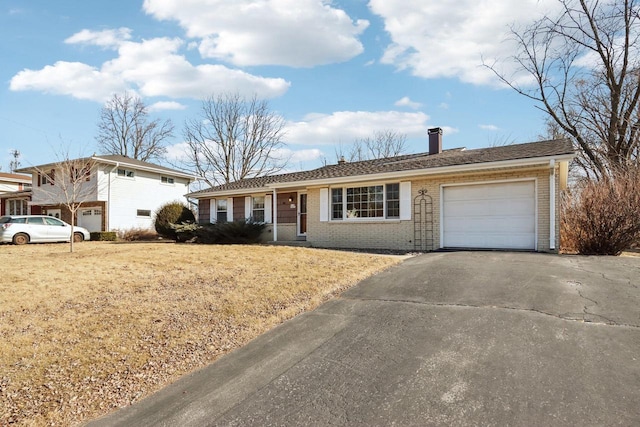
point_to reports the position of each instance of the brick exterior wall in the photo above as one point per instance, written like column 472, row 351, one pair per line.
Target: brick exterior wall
column 396, row 234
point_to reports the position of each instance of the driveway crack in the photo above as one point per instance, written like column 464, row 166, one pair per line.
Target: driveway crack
column 584, row 317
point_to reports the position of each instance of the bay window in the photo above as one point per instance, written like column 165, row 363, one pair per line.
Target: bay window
column 368, row 202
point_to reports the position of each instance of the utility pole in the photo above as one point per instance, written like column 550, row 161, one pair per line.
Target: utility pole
column 15, row 163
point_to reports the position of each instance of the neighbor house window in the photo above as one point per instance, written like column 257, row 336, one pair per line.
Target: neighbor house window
column 257, row 212
column 372, row 201
column 166, row 180
column 47, row 178
column 80, row 173
column 143, row 212
column 221, row 210
column 126, row 173
column 17, row 207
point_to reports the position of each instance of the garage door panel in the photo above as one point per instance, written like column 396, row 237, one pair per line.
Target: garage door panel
column 497, row 216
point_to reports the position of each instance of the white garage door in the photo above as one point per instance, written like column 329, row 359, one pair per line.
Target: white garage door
column 91, row 219
column 494, row 216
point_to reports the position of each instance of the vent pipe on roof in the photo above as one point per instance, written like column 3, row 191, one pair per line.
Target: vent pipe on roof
column 342, row 161
column 435, row 140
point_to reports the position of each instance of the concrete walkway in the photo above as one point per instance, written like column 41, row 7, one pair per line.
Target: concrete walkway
column 466, row 338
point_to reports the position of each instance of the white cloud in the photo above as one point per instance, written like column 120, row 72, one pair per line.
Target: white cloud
column 298, row 156
column 492, row 128
column 152, row 67
column 105, row 38
column 347, row 126
column 297, row 33
column 444, row 106
column 407, row 102
column 449, row 38
column 166, row 105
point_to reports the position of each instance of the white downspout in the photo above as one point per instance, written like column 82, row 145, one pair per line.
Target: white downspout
column 108, row 218
column 275, row 216
column 552, row 204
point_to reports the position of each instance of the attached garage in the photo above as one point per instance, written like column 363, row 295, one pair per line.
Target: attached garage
column 490, row 215
column 91, row 219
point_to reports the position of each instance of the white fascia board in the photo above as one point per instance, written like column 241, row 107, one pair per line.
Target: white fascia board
column 147, row 168
column 537, row 161
column 238, row 192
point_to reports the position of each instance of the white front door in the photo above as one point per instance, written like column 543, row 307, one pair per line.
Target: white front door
column 492, row 216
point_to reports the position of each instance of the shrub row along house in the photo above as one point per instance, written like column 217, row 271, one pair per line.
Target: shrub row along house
column 500, row 198
column 117, row 192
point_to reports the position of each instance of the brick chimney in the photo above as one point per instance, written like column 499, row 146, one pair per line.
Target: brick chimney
column 435, row 140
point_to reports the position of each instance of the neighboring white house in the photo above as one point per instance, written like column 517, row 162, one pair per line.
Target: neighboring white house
column 117, row 192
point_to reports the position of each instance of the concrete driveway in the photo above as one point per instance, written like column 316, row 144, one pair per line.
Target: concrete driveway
column 466, row 338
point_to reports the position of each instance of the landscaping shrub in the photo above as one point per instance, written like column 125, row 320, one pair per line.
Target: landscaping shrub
column 172, row 213
column 237, row 232
column 137, row 234
column 103, row 236
column 602, row 217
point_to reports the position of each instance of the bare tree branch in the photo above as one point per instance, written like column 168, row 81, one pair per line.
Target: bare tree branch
column 125, row 129
column 585, row 63
column 234, row 138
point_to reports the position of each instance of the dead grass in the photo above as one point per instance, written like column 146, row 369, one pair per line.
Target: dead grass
column 86, row 332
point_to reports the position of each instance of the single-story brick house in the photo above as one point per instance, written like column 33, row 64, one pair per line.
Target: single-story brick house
column 503, row 197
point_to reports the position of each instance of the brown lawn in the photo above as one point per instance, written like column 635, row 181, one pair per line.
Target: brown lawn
column 86, row 332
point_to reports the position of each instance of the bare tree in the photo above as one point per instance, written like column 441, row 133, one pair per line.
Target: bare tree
column 124, row 128
column 68, row 183
column 382, row 144
column 234, row 138
column 585, row 65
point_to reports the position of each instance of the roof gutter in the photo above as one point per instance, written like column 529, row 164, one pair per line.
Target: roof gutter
column 145, row 168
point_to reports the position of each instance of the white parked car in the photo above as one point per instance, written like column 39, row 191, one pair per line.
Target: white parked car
column 21, row 229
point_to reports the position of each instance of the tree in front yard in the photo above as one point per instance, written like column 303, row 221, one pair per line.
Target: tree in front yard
column 68, row 183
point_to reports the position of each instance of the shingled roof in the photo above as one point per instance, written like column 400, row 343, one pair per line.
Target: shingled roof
column 409, row 162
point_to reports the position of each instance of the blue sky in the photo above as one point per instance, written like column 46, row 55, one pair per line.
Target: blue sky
column 335, row 70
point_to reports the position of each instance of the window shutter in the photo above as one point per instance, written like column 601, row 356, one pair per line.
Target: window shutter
column 267, row 209
column 230, row 209
column 53, row 176
column 405, row 200
column 213, row 211
column 39, row 179
column 324, row 204
column 247, row 207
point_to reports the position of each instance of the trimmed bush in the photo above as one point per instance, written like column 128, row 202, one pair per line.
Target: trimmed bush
column 172, row 213
column 237, row 232
column 602, row 217
column 137, row 234
column 103, row 236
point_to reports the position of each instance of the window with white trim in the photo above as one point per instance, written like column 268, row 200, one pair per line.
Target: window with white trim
column 257, row 208
column 166, row 180
column 366, row 202
column 221, row 210
column 126, row 173
column 17, row 207
column 143, row 212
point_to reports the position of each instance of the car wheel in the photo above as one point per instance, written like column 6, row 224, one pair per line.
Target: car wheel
column 78, row 237
column 20, row 239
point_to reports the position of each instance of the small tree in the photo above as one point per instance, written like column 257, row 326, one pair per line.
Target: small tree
column 68, row 183
column 124, row 129
column 234, row 138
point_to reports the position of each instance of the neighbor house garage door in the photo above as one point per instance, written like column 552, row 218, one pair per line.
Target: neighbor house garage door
column 495, row 216
column 91, row 219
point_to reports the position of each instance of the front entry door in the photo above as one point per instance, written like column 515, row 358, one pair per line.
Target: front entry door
column 302, row 214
